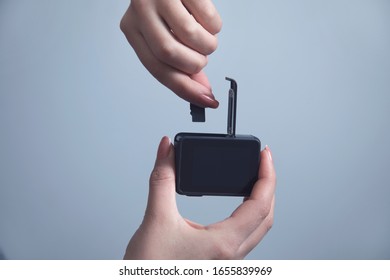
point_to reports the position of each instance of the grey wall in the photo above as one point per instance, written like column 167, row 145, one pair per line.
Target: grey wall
column 80, row 121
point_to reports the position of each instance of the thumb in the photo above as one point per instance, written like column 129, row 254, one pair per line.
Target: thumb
column 162, row 196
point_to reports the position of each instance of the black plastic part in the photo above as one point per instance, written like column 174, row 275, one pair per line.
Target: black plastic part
column 232, row 107
column 216, row 164
column 198, row 113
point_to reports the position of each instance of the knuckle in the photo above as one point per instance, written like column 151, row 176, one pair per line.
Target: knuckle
column 212, row 46
column 261, row 211
column 161, row 174
column 269, row 222
column 139, row 5
column 268, row 217
column 190, row 31
column 264, row 210
column 208, row 45
column 218, row 27
column 124, row 23
column 212, row 17
column 127, row 23
column 199, row 65
column 166, row 51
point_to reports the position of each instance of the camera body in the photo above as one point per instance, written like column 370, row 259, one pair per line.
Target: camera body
column 216, row 164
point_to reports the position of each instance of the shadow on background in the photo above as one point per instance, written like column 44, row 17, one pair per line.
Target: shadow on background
column 2, row 256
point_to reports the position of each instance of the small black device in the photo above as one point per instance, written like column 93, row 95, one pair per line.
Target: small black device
column 216, row 164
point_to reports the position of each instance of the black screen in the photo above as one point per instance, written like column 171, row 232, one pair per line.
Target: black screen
column 224, row 166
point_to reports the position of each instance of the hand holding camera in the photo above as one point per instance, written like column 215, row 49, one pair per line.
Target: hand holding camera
column 165, row 234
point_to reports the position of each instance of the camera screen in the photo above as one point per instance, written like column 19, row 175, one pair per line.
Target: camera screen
column 225, row 166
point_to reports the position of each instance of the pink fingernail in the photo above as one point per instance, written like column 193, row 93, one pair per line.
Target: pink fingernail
column 210, row 101
column 268, row 152
column 164, row 148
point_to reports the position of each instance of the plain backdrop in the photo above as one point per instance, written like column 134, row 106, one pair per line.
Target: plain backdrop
column 80, row 121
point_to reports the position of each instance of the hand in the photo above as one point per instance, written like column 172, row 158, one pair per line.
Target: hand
column 165, row 234
column 173, row 38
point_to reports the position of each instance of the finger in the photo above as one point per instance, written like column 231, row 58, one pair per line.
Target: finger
column 168, row 49
column 189, row 88
column 258, row 234
column 159, row 38
column 162, row 196
column 264, row 188
column 252, row 212
column 194, row 89
column 205, row 13
column 186, row 29
column 202, row 79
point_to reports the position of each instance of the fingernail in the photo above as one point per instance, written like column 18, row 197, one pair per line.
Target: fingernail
column 164, row 148
column 211, row 102
column 269, row 153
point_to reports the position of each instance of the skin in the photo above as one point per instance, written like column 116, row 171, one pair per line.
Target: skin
column 165, row 234
column 173, row 40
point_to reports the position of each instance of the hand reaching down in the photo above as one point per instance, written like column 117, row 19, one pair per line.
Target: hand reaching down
column 173, row 39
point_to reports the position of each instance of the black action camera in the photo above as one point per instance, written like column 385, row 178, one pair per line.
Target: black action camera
column 216, row 164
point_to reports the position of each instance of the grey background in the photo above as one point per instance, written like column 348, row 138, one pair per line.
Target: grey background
column 80, row 121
